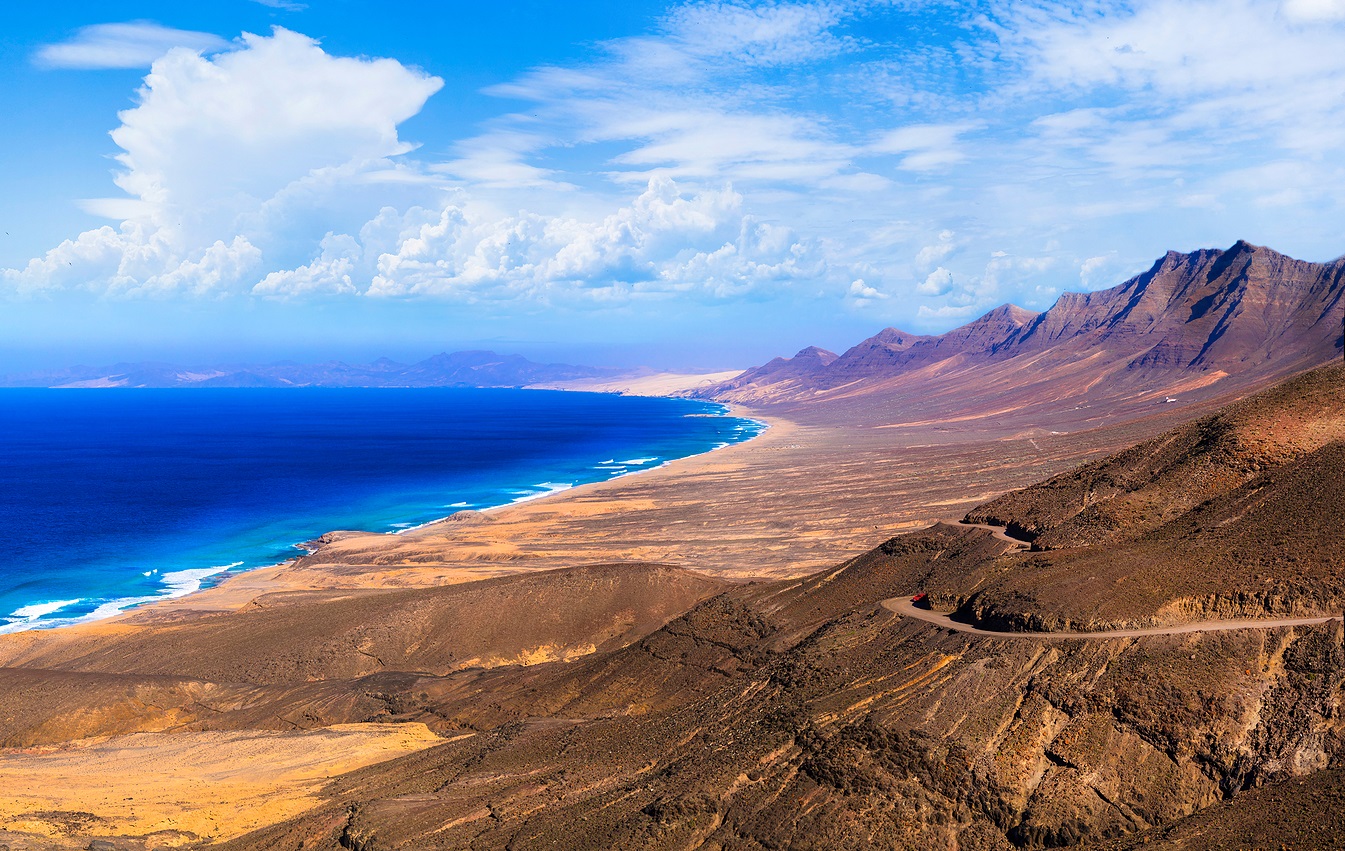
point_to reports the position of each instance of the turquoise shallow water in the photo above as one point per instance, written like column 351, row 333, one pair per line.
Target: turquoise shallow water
column 112, row 498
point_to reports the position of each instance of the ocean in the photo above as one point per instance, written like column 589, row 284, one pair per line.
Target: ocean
column 113, row 498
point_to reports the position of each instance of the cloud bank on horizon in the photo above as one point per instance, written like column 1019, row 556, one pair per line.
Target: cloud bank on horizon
column 913, row 162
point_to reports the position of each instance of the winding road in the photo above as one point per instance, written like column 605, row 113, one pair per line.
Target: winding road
column 904, row 607
column 998, row 531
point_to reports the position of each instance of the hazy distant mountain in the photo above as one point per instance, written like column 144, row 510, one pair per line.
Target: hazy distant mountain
column 1206, row 322
column 459, row 369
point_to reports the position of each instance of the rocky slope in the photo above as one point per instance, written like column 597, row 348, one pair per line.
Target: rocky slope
column 1305, row 812
column 1194, row 325
column 1140, row 488
column 802, row 713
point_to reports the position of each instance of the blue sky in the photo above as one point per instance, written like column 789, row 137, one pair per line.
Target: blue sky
column 682, row 185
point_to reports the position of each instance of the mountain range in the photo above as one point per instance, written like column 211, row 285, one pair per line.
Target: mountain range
column 1201, row 324
column 457, row 369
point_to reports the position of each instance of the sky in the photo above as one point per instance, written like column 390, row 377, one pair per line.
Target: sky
column 698, row 185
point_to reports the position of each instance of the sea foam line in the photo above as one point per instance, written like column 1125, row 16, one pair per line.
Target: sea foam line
column 178, row 583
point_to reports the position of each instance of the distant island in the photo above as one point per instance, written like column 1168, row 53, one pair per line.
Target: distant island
column 456, row 369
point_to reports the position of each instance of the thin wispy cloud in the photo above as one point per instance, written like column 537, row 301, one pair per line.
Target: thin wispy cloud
column 283, row 5
column 134, row 44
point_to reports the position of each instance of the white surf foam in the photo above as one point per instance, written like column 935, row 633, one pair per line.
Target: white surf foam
column 543, row 489
column 37, row 610
column 27, row 617
column 177, row 583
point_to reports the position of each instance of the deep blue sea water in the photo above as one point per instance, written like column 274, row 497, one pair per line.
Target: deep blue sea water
column 109, row 498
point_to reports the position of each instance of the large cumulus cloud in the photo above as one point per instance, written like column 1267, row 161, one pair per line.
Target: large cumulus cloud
column 216, row 144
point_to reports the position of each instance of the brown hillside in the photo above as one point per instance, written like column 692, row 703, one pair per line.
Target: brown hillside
column 306, row 636
column 1305, row 812
column 795, row 713
column 1154, row 482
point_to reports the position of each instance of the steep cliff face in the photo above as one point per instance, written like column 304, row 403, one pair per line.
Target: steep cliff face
column 1201, row 323
column 1198, row 310
column 891, row 351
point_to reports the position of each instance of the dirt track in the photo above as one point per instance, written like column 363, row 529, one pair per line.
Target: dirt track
column 904, row 607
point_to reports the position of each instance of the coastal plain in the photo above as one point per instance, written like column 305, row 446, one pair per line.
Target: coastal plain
column 237, row 658
column 791, row 502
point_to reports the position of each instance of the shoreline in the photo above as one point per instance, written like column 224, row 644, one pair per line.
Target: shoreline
column 212, row 579
column 794, row 498
column 755, row 417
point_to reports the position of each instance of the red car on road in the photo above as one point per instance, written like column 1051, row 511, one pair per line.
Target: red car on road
column 921, row 600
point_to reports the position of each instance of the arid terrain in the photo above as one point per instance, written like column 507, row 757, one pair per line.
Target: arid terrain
column 716, row 654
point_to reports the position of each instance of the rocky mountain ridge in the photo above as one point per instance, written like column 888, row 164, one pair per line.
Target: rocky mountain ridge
column 1201, row 323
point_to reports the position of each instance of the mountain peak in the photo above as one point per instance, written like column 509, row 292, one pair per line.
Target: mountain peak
column 815, row 353
column 1010, row 313
column 893, row 337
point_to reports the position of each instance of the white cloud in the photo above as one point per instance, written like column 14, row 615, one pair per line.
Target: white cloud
column 862, row 292
column 1222, row 72
column 1052, row 133
column 221, row 136
column 686, row 103
column 665, row 241
column 119, row 209
column 1094, row 272
column 765, row 34
column 498, row 160
column 936, row 283
column 329, row 274
column 136, row 261
column 135, row 44
column 944, row 312
column 223, row 156
column 1314, row 10
column 926, row 147
column 932, row 254
column 283, row 5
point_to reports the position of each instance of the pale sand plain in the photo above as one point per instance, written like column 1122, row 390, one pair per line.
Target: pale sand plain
column 654, row 384
column 794, row 500
column 178, row 788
